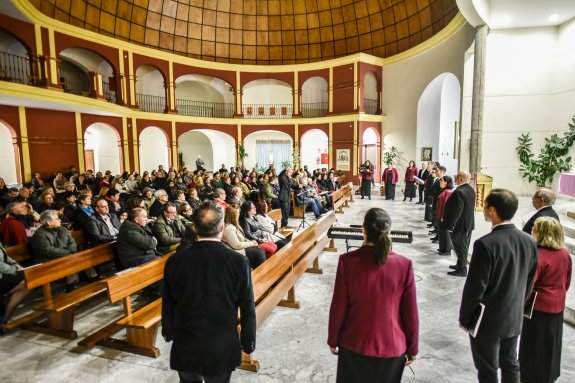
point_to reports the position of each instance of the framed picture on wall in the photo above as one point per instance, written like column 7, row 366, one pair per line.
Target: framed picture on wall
column 426, row 153
column 342, row 159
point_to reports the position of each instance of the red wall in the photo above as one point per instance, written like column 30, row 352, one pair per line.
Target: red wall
column 343, row 89
column 343, row 139
column 20, row 30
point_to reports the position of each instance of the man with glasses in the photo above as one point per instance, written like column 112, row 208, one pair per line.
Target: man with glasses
column 102, row 227
column 169, row 229
column 542, row 201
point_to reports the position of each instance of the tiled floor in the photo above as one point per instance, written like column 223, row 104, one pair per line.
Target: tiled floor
column 291, row 343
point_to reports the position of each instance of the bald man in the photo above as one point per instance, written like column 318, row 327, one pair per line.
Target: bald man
column 459, row 220
column 542, row 201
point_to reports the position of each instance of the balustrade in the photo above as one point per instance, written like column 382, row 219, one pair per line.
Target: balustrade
column 314, row 109
column 370, row 106
column 150, row 103
column 16, row 68
column 204, row 108
column 267, row 110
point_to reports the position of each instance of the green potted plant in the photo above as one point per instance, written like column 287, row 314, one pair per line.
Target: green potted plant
column 242, row 154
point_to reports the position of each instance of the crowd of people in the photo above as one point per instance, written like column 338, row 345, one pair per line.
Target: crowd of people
column 148, row 214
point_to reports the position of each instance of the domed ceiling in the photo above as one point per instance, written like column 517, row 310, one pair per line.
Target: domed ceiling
column 261, row 31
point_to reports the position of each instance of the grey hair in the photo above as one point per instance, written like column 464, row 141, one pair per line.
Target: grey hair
column 220, row 191
column 160, row 192
column 47, row 216
column 547, row 195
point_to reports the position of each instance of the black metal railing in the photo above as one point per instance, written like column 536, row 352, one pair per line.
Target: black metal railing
column 267, row 110
column 314, row 109
column 370, row 106
column 204, row 108
column 109, row 95
column 16, row 68
column 75, row 86
column 149, row 103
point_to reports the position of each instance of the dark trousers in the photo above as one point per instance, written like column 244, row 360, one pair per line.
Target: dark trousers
column 192, row 377
column 366, row 189
column 428, row 209
column 314, row 205
column 354, row 368
column 420, row 189
column 491, row 354
column 256, row 256
column 390, row 191
column 444, row 238
column 285, row 206
column 460, row 241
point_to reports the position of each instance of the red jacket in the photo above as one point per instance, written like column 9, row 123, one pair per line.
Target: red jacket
column 367, row 174
column 12, row 232
column 374, row 308
column 394, row 178
column 441, row 201
column 552, row 280
column 410, row 174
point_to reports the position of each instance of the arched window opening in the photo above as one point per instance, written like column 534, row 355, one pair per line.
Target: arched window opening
column 204, row 96
column 314, row 149
column 314, row 97
column 257, row 95
column 154, row 149
column 267, row 147
column 214, row 148
column 150, row 89
column 370, row 94
column 103, row 148
column 15, row 63
column 86, row 73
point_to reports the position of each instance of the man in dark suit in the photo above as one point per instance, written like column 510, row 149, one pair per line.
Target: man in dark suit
column 542, row 201
column 427, row 195
column 500, row 275
column 284, row 196
column 434, row 192
column 422, row 174
column 102, row 227
column 204, row 285
column 459, row 220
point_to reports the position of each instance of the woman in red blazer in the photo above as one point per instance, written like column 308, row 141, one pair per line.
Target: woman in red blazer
column 541, row 337
column 410, row 188
column 373, row 320
column 446, row 185
column 390, row 179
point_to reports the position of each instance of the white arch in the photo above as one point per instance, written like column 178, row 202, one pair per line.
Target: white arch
column 214, row 147
column 437, row 112
column 154, row 149
column 266, row 92
column 8, row 163
column 369, row 86
column 268, row 146
column 314, row 89
column 369, row 148
column 150, row 81
column 204, row 88
column 104, row 143
column 314, row 144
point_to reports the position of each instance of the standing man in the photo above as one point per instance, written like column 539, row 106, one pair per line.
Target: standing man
column 284, row 196
column 500, row 275
column 200, row 164
column 459, row 220
column 204, row 285
column 542, row 201
column 423, row 173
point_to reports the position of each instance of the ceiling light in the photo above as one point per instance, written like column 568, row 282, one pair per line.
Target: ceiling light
column 554, row 18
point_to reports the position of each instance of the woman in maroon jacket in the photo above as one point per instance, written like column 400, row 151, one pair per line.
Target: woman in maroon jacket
column 410, row 188
column 390, row 179
column 373, row 320
column 366, row 174
column 541, row 338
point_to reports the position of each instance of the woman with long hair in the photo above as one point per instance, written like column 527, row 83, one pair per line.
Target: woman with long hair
column 542, row 334
column 366, row 174
column 373, row 320
column 252, row 230
column 235, row 238
column 410, row 188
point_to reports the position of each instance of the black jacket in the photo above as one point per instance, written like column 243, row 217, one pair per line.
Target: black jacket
column 459, row 215
column 156, row 209
column 547, row 211
column 285, row 187
column 423, row 174
column 135, row 245
column 500, row 274
column 204, row 285
column 252, row 229
column 97, row 231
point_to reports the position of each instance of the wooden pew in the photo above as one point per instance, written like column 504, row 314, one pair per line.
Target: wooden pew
column 141, row 325
column 339, row 200
column 60, row 310
column 276, row 216
column 297, row 208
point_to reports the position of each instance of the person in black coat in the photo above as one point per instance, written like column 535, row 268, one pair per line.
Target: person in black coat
column 459, row 220
column 284, row 196
column 136, row 244
column 502, row 268
column 434, row 192
column 542, row 201
column 102, row 227
column 204, row 285
column 429, row 182
column 422, row 174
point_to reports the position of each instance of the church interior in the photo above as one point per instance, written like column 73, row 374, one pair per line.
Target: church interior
column 293, row 122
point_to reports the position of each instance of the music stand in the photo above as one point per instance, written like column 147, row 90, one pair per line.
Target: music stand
column 303, row 220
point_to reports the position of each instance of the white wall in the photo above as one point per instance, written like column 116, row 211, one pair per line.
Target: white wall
column 429, row 119
column 466, row 104
column 267, row 92
column 215, row 148
column 150, row 81
column 370, row 86
column 8, row 169
column 313, row 90
column 153, row 149
column 529, row 87
column 250, row 144
column 450, row 109
column 89, row 60
column 404, row 82
column 313, row 143
column 203, row 88
column 105, row 143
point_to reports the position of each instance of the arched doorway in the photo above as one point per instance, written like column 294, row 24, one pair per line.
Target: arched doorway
column 86, row 73
column 154, row 149
column 267, row 147
column 103, row 148
column 370, row 149
column 370, row 94
column 314, row 149
column 437, row 118
column 214, row 147
column 204, row 96
column 150, row 89
column 267, row 98
column 314, row 97
column 9, row 155
column 15, row 64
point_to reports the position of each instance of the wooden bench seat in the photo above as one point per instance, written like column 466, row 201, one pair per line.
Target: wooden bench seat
column 276, row 216
column 60, row 310
column 20, row 253
column 145, row 317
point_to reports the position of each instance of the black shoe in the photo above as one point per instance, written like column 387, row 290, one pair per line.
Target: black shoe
column 453, row 267
column 443, row 252
column 405, row 199
column 436, row 238
column 429, row 225
column 411, row 200
column 432, row 232
column 458, row 273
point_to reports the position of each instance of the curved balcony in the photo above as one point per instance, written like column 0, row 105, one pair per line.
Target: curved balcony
column 205, row 108
column 16, row 68
column 150, row 103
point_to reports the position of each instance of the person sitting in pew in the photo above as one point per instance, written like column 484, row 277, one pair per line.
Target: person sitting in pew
column 102, row 227
column 268, row 225
column 169, row 229
column 12, row 287
column 13, row 227
column 307, row 196
column 204, row 286
column 235, row 239
column 252, row 229
column 136, row 244
column 84, row 211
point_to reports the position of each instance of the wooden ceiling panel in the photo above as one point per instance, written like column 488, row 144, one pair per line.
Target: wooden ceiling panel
column 261, row 31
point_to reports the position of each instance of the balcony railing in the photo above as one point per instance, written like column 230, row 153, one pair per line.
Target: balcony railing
column 109, row 94
column 267, row 110
column 16, row 68
column 149, row 103
column 204, row 108
column 314, row 109
column 370, row 106
column 75, row 86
